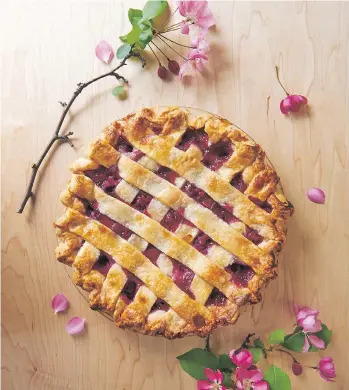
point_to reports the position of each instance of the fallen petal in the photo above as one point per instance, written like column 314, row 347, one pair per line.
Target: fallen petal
column 75, row 325
column 104, row 52
column 316, row 195
column 59, row 303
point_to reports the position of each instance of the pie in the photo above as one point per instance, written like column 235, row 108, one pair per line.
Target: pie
column 172, row 222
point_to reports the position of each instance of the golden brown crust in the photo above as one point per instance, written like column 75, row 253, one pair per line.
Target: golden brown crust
column 82, row 239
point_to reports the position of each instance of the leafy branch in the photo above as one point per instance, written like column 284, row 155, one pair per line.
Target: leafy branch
column 57, row 136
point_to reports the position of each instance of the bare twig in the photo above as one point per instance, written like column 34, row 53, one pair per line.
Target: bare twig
column 65, row 138
column 207, row 343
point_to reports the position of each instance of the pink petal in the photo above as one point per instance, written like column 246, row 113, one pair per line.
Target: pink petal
column 323, row 376
column 184, row 28
column 296, row 104
column 316, row 341
column 219, row 376
column 316, row 195
column 204, row 385
column 302, row 99
column 59, row 303
column 104, row 52
column 285, row 105
column 262, row 385
column 75, row 325
column 256, row 375
column 239, row 385
column 205, row 18
column 181, row 7
column 305, row 312
column 210, row 374
column 185, row 68
column 242, row 373
column 295, row 308
column 306, row 345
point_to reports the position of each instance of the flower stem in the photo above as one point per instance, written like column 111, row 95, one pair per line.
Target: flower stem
column 170, row 47
column 171, row 16
column 154, row 54
column 288, row 353
column 179, row 44
column 160, row 50
column 207, row 343
column 278, row 78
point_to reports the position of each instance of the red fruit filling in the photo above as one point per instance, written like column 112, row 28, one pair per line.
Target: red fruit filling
column 141, row 201
column 183, row 277
column 167, row 174
column 263, row 205
column 224, row 213
column 118, row 229
column 160, row 305
column 202, row 243
column 241, row 274
column 123, row 146
column 171, row 220
column 216, row 298
column 238, row 183
column 253, row 235
column 104, row 263
column 197, row 194
column 131, row 287
column 217, row 154
column 152, row 253
column 195, row 137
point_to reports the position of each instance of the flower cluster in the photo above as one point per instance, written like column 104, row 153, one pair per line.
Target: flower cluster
column 239, row 369
column 247, row 375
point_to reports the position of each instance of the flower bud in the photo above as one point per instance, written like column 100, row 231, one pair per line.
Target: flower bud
column 162, row 72
column 297, row 368
column 173, row 66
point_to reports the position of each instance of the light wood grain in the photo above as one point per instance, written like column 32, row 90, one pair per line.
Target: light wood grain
column 48, row 47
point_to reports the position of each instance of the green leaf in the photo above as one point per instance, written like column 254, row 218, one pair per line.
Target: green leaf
column 227, row 380
column 277, row 336
column 277, row 379
column 145, row 37
column 134, row 15
column 133, row 36
column 258, row 343
column 256, row 353
column 123, row 51
column 152, row 9
column 325, row 334
column 294, row 341
column 145, row 25
column 196, row 360
column 117, row 91
column 224, row 363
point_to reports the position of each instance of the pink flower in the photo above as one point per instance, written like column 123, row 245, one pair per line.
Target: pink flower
column 307, row 319
column 200, row 43
column 194, row 61
column 326, row 369
column 292, row 103
column 215, row 379
column 250, row 380
column 243, row 358
column 185, row 28
column 197, row 12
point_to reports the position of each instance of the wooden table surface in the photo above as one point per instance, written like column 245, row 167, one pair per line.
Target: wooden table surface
column 47, row 48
